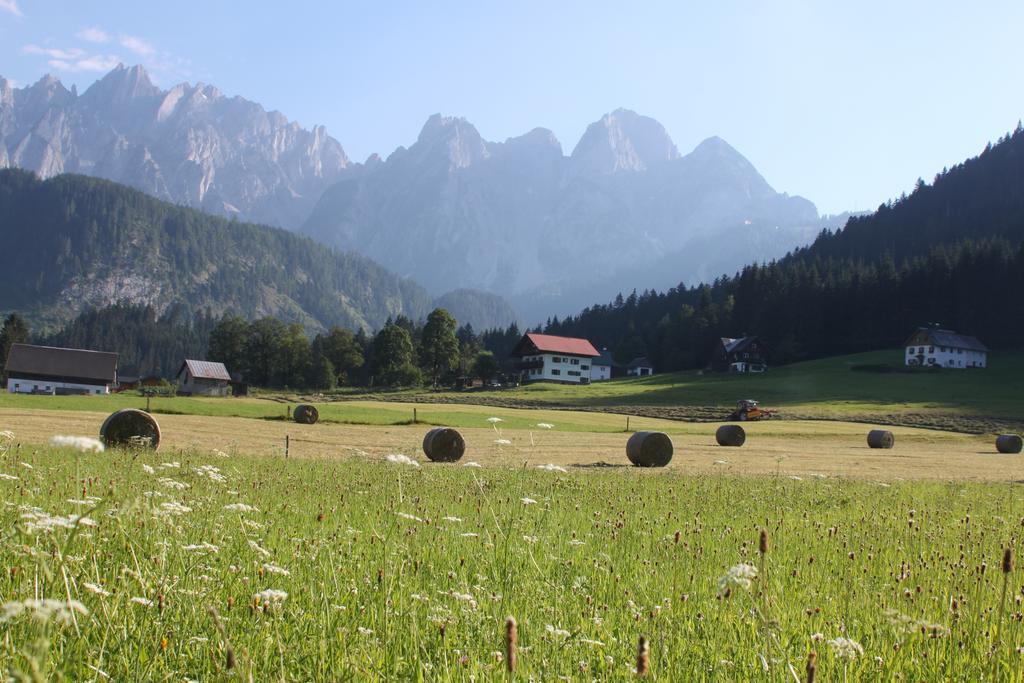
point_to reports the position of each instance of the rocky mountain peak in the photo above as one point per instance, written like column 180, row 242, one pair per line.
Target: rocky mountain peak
column 454, row 138
column 623, row 141
column 122, row 85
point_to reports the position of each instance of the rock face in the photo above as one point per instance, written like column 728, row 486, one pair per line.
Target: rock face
column 522, row 219
column 189, row 145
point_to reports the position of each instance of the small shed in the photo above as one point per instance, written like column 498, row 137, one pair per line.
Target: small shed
column 203, row 378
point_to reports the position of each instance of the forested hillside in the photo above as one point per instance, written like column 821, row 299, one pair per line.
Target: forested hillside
column 949, row 253
column 74, row 242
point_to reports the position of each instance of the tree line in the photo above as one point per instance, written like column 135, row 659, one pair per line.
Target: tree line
column 269, row 352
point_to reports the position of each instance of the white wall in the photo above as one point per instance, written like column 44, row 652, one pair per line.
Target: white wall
column 559, row 371
column 27, row 386
column 946, row 357
column 599, row 373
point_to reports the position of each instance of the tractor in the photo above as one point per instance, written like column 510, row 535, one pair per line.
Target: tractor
column 749, row 409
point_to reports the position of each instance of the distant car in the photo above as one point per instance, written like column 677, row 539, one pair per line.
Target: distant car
column 493, row 384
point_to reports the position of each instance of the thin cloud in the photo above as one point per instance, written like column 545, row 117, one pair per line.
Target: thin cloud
column 90, row 63
column 11, row 6
column 69, row 54
column 92, row 34
column 138, row 46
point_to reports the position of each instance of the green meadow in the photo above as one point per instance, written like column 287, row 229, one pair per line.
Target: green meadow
column 192, row 565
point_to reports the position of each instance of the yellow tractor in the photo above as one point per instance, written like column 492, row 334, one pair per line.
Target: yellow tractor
column 749, row 409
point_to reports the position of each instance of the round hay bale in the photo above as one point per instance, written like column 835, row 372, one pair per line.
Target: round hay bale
column 306, row 414
column 730, row 435
column 130, row 427
column 649, row 449
column 881, row 438
column 443, row 444
column 1009, row 443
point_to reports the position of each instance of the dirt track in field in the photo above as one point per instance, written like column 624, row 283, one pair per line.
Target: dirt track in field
column 789, row 448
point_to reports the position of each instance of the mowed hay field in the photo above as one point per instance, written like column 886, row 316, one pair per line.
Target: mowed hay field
column 580, row 439
column 196, row 565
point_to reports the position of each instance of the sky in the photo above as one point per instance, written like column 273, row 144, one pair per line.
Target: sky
column 844, row 103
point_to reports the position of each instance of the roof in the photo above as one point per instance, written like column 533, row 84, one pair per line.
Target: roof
column 52, row 361
column 640, row 362
column 605, row 358
column 534, row 342
column 205, row 369
column 731, row 345
column 950, row 338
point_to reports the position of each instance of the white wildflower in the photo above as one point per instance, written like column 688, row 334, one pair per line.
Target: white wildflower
column 845, row 648
column 7, row 435
column 204, row 547
column 721, row 462
column 43, row 610
column 37, row 520
column 741, row 575
column 26, row 466
column 9, row 477
column 817, row 637
column 145, row 602
column 274, row 569
column 503, row 442
column 173, row 483
column 576, row 542
column 406, row 515
column 173, row 508
column 530, row 539
column 557, row 632
column 259, row 549
column 471, row 463
column 528, row 501
column 400, row 459
column 148, row 469
column 452, row 519
column 170, row 465
column 551, row 467
column 545, row 425
column 240, row 507
column 270, row 597
column 364, row 631
column 494, row 420
column 795, row 478
column 210, row 472
column 470, row 534
column 97, row 590
column 220, row 454
column 79, row 443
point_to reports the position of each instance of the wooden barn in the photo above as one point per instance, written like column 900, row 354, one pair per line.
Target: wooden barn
column 52, row 370
column 203, row 378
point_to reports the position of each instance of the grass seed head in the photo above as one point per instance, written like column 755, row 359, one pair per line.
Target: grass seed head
column 762, row 545
column 643, row 656
column 1008, row 561
column 511, row 639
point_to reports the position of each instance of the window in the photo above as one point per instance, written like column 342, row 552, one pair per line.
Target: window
column 959, row 350
column 556, row 359
column 574, row 361
column 574, row 373
column 584, row 367
column 931, row 349
column 556, row 372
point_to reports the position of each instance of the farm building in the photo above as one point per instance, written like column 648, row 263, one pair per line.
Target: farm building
column 932, row 347
column 601, row 367
column 639, row 367
column 204, row 378
column 546, row 357
column 51, row 370
column 744, row 354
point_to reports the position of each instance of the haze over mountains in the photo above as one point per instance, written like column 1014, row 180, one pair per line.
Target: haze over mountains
column 520, row 219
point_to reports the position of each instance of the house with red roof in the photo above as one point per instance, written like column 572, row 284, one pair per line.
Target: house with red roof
column 549, row 358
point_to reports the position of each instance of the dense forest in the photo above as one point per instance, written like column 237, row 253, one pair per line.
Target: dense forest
column 949, row 253
column 73, row 242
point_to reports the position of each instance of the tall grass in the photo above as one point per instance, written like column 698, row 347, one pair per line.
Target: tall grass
column 195, row 565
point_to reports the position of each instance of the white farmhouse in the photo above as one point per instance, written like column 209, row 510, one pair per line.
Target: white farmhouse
column 548, row 358
column 932, row 347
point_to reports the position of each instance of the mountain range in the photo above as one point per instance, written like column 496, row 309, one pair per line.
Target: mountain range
column 190, row 145
column 520, row 219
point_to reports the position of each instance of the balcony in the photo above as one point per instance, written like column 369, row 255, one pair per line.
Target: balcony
column 535, row 364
